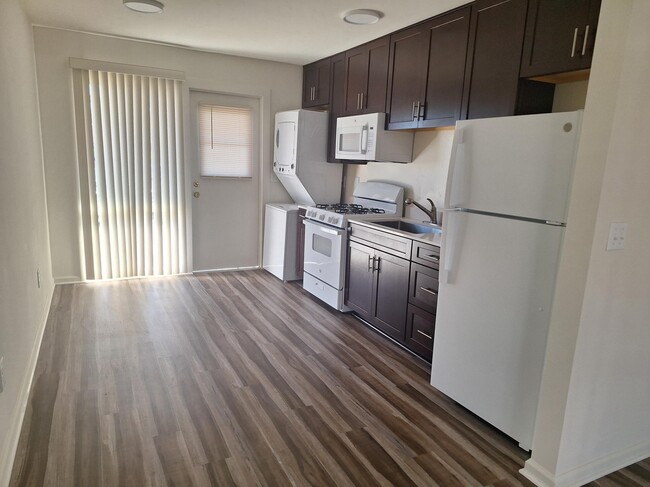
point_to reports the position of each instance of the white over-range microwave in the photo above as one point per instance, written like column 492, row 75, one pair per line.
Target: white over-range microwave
column 364, row 138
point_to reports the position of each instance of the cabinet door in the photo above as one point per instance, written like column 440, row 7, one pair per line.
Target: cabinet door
column 337, row 94
column 497, row 37
column 316, row 84
column 360, row 279
column 555, row 37
column 587, row 51
column 448, row 41
column 409, row 57
column 374, row 99
column 391, row 295
column 356, row 79
column 423, row 288
column 420, row 327
column 366, row 74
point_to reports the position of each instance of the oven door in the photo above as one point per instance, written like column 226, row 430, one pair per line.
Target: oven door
column 325, row 253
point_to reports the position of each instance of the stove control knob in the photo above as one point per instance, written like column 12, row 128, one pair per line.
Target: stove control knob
column 321, row 217
column 335, row 221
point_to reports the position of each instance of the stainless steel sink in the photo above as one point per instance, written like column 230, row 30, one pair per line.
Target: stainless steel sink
column 409, row 227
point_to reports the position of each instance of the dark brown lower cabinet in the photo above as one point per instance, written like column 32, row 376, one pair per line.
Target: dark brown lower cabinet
column 423, row 300
column 392, row 283
column 360, row 280
column 391, row 294
column 377, row 288
column 420, row 326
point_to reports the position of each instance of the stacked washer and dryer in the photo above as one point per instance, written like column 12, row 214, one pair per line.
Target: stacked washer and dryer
column 300, row 163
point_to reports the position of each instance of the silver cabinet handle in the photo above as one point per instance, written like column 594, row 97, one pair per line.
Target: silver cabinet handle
column 358, row 98
column 575, row 39
column 361, row 108
column 584, row 42
column 432, row 257
column 422, row 333
column 413, row 112
column 417, row 111
column 371, row 266
column 378, row 268
column 430, row 291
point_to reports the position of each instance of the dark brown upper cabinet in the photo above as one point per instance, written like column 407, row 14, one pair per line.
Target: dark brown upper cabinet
column 496, row 45
column 316, row 84
column 366, row 72
column 560, row 36
column 337, row 99
column 427, row 72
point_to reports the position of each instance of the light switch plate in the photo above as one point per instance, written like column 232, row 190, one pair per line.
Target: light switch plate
column 616, row 239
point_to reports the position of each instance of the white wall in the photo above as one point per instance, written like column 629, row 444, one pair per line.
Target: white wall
column 24, row 244
column 278, row 84
column 594, row 413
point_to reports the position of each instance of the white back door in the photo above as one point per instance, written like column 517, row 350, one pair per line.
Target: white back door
column 225, row 210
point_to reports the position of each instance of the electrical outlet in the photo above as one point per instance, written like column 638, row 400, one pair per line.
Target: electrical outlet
column 616, row 239
column 2, row 374
column 38, row 277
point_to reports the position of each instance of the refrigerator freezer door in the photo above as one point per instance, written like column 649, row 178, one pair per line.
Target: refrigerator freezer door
column 496, row 288
column 514, row 165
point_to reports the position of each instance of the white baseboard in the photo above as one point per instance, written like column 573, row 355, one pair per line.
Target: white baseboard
column 11, row 444
column 537, row 474
column 68, row 280
column 588, row 472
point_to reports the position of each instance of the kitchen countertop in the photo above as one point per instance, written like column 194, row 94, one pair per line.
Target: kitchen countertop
column 430, row 238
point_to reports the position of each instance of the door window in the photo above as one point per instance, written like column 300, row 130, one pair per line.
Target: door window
column 225, row 141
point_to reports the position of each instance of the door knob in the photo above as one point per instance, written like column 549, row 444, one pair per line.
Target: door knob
column 196, row 194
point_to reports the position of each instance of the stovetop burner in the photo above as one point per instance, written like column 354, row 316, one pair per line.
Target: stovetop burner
column 350, row 209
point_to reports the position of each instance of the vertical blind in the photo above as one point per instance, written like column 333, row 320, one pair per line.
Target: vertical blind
column 135, row 175
column 225, row 141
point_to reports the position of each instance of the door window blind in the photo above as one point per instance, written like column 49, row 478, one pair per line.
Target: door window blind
column 134, row 205
column 225, row 141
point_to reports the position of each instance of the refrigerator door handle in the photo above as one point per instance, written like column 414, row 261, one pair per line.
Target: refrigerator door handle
column 452, row 241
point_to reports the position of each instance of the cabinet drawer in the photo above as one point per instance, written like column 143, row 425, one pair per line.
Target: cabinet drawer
column 423, row 290
column 384, row 241
column 420, row 327
column 425, row 254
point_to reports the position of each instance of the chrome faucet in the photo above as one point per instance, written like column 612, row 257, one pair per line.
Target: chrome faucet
column 433, row 217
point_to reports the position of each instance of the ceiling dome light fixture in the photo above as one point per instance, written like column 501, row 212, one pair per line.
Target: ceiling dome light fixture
column 144, row 6
column 362, row 16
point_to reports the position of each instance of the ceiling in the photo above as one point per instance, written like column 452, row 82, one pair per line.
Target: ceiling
column 292, row 31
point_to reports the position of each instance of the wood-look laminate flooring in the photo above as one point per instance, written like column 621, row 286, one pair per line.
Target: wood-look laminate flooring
column 239, row 379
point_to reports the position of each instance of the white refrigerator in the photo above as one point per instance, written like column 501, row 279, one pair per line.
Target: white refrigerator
column 505, row 214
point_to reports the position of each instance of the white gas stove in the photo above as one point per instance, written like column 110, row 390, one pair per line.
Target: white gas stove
column 326, row 237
